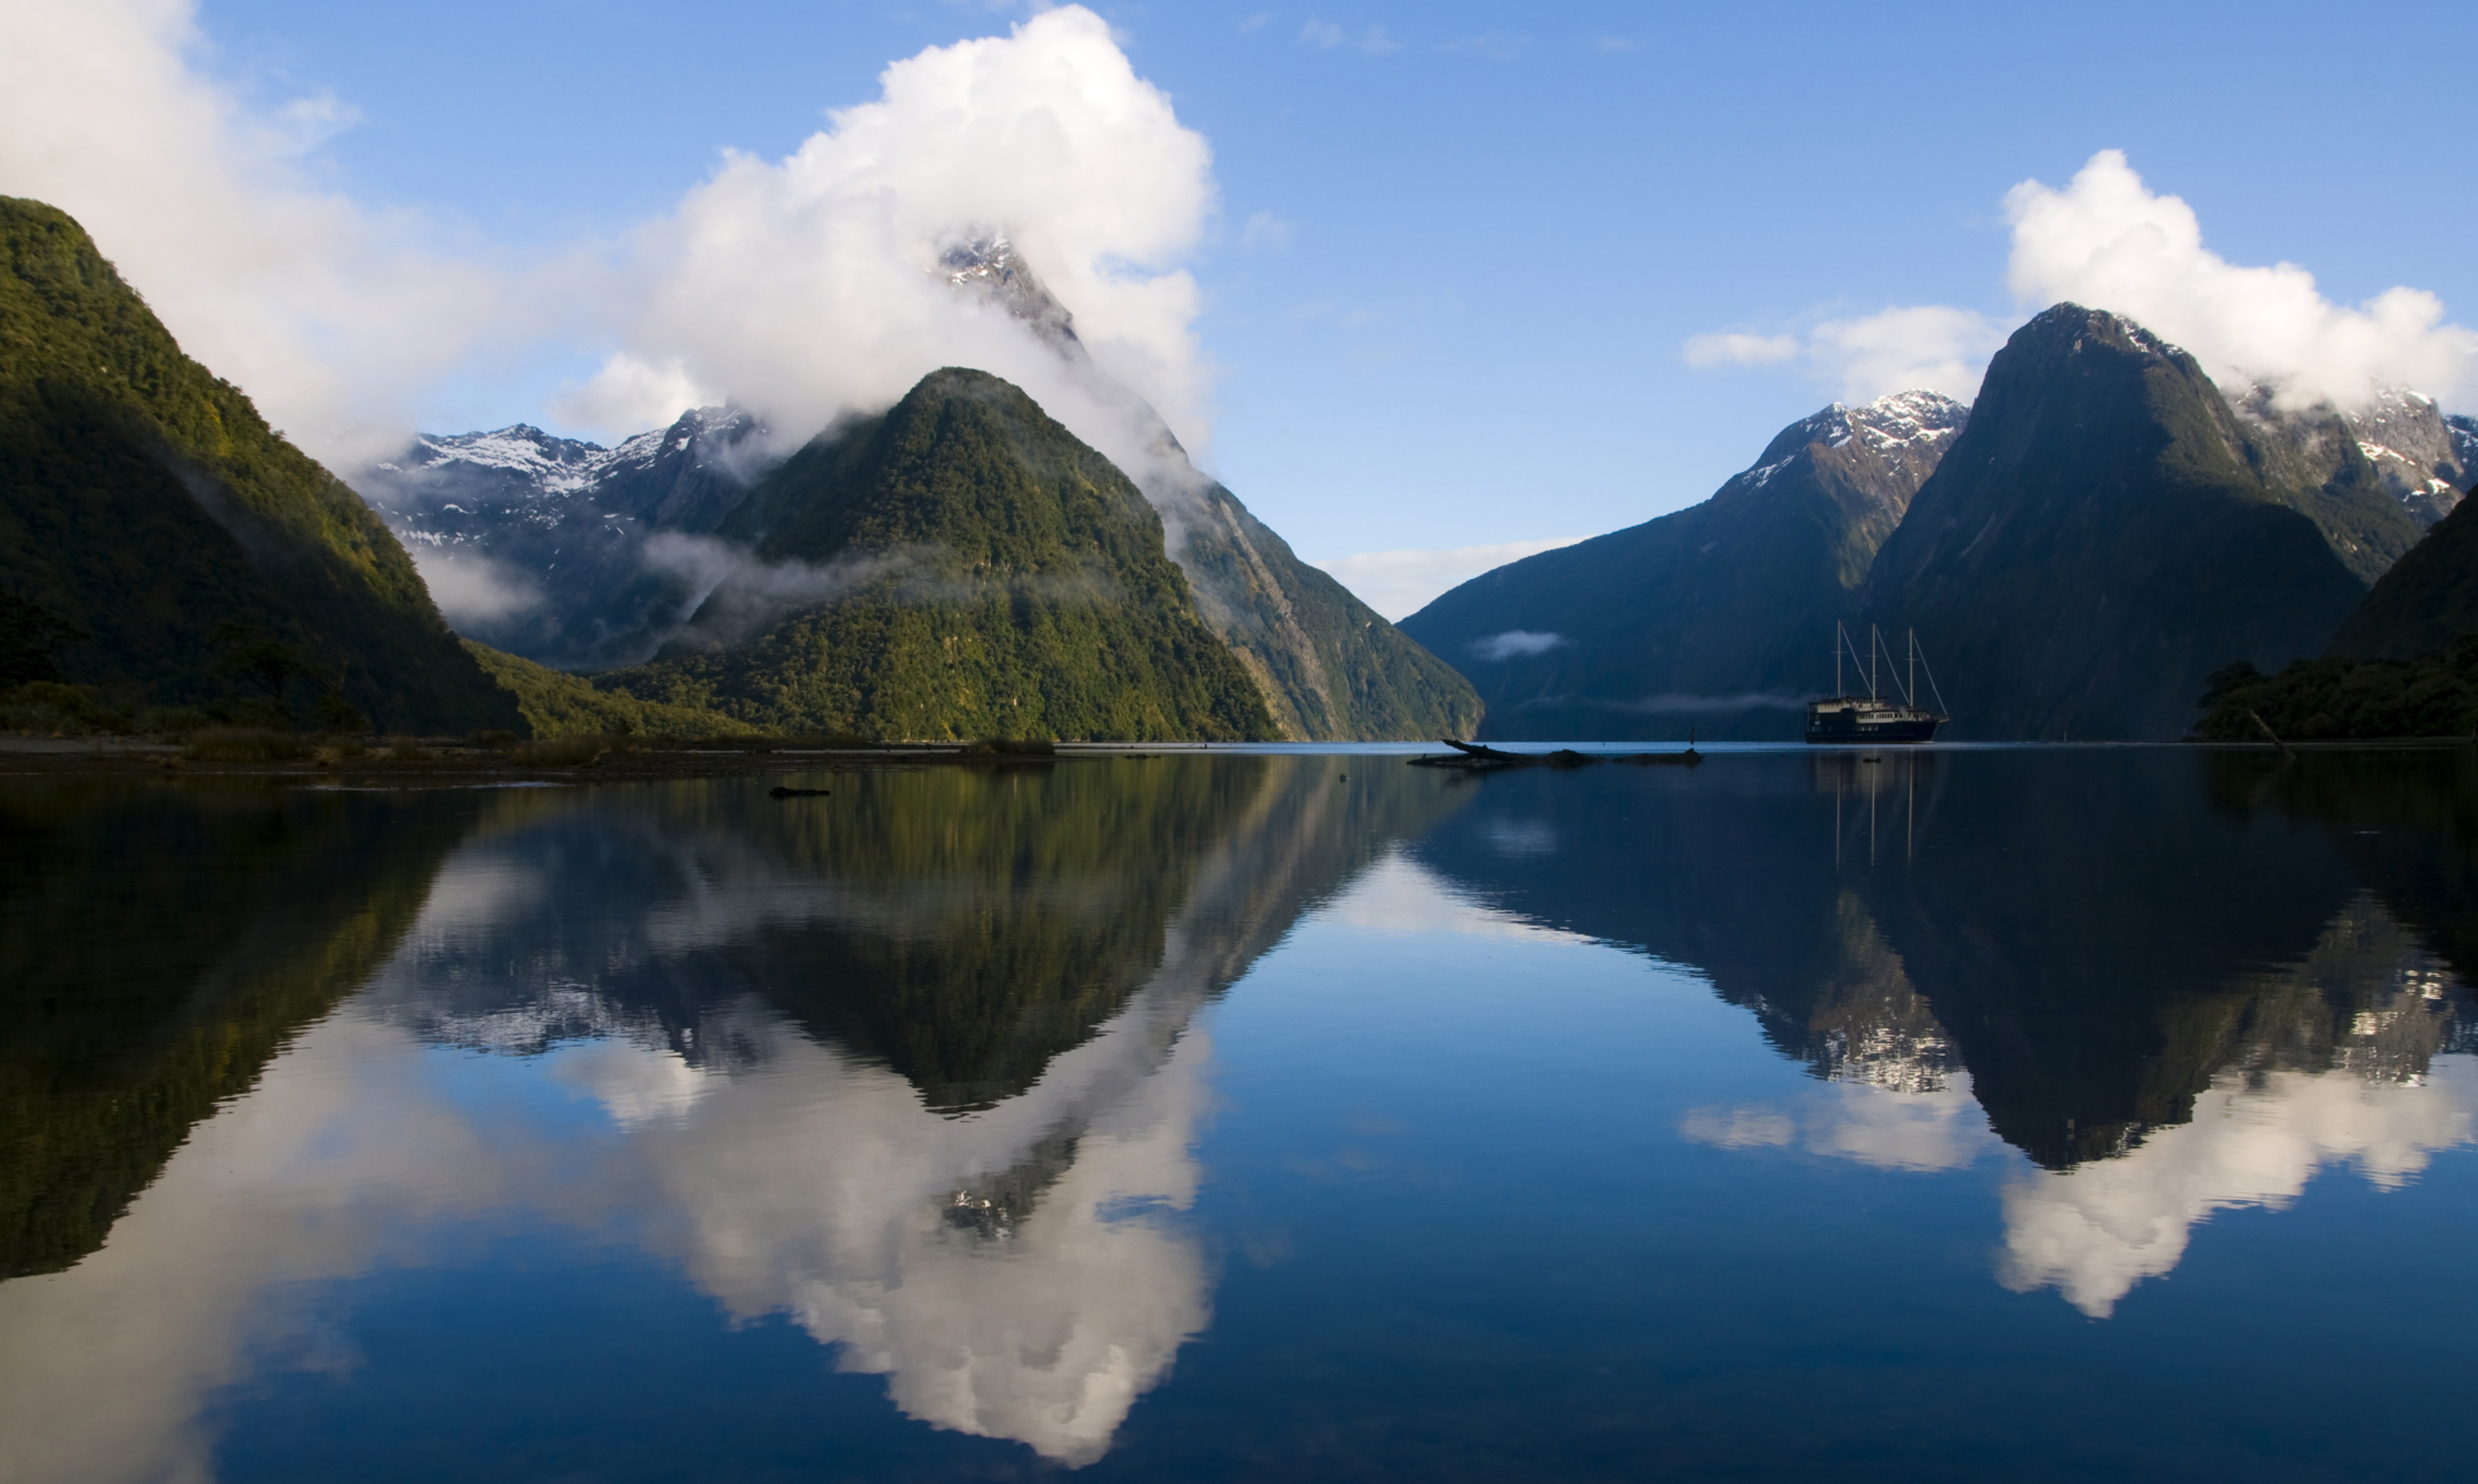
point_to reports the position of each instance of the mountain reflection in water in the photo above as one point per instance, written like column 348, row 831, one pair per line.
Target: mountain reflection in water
column 919, row 1071
column 925, row 1066
column 2173, row 998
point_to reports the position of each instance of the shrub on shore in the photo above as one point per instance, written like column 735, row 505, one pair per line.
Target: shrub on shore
column 2335, row 699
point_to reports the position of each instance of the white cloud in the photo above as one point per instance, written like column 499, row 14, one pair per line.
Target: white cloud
column 1931, row 346
column 1513, row 642
column 2106, row 241
column 1399, row 584
column 313, row 304
column 470, row 587
column 804, row 286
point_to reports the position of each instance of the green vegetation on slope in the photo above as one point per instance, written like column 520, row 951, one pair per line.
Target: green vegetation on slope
column 2333, row 698
column 981, row 573
column 558, row 704
column 146, row 508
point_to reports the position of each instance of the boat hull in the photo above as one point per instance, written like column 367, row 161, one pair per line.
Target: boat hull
column 1865, row 721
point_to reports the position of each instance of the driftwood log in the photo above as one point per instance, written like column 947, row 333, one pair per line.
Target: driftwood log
column 1473, row 757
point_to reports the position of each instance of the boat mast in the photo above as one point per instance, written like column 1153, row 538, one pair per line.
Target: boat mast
column 1841, row 636
column 1911, row 698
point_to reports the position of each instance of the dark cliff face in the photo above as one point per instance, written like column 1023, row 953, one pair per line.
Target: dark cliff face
column 147, row 505
column 961, row 566
column 2427, row 600
column 1330, row 667
column 2107, row 532
column 1719, row 617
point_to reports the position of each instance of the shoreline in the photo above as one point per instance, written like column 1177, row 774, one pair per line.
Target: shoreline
column 444, row 762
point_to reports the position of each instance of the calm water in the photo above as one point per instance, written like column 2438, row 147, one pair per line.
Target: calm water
column 2063, row 1113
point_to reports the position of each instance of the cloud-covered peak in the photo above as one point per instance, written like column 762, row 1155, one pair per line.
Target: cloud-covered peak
column 824, row 281
column 2107, row 241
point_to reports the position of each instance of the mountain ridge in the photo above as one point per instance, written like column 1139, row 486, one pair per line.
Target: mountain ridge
column 961, row 566
column 197, row 558
column 2108, row 530
column 1717, row 617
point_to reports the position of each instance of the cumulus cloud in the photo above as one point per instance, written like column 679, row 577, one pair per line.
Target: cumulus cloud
column 1399, row 584
column 317, row 306
column 806, row 287
column 2107, row 240
column 809, row 286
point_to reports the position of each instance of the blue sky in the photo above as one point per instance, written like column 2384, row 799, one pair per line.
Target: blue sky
column 1458, row 251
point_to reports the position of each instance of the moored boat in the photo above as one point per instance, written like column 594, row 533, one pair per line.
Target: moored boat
column 1877, row 716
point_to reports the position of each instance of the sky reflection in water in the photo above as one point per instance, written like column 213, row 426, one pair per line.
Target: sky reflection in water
column 1213, row 1118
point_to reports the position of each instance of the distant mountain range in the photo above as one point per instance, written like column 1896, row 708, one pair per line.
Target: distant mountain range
column 537, row 543
column 2077, row 552
column 161, row 543
column 585, row 558
column 1719, row 617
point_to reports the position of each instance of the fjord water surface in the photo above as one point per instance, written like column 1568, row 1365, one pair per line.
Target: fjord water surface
column 2050, row 1112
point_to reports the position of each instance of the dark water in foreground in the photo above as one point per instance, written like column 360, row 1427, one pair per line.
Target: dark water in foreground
column 2063, row 1114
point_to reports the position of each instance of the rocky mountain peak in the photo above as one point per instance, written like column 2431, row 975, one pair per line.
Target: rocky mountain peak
column 2422, row 459
column 986, row 264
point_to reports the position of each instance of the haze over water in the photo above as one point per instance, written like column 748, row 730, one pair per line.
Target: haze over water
column 2037, row 1113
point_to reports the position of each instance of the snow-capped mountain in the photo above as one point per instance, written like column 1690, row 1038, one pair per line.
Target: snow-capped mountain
column 585, row 558
column 1709, row 616
column 2424, row 460
column 539, row 544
